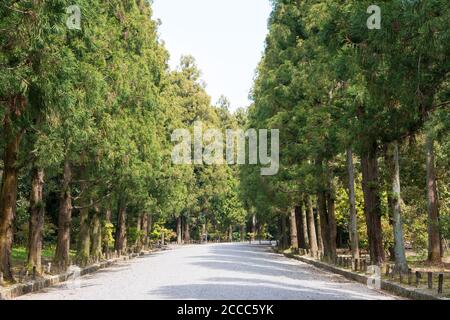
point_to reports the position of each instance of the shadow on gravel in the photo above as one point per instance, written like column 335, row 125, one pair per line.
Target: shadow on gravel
column 65, row 287
column 303, row 282
column 252, row 290
column 245, row 259
column 110, row 269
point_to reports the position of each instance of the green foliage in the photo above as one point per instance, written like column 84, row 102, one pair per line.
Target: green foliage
column 156, row 235
column 21, row 222
column 445, row 226
column 134, row 234
column 108, row 235
column 330, row 83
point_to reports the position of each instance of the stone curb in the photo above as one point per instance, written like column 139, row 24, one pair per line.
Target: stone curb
column 37, row 285
column 410, row 293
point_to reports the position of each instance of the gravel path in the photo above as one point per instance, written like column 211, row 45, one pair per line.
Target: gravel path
column 217, row 271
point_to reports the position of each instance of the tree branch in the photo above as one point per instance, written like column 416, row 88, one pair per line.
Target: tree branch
column 93, row 204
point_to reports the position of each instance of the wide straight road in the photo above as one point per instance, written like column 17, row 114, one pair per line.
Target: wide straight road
column 216, row 271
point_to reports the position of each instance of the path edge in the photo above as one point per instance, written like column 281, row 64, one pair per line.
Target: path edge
column 21, row 289
column 388, row 286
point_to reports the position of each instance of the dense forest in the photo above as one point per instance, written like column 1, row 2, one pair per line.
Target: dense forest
column 87, row 116
column 364, row 114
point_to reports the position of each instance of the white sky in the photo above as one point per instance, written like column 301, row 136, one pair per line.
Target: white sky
column 226, row 37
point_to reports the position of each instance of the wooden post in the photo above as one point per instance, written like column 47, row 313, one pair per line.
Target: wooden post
column 409, row 277
column 418, row 277
column 1, row 278
column 34, row 273
column 441, row 283
column 430, row 280
column 356, row 265
column 387, row 270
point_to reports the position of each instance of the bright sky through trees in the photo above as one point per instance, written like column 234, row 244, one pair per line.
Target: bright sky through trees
column 226, row 37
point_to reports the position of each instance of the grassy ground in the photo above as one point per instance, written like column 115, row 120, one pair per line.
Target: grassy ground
column 418, row 261
column 19, row 257
column 20, row 254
